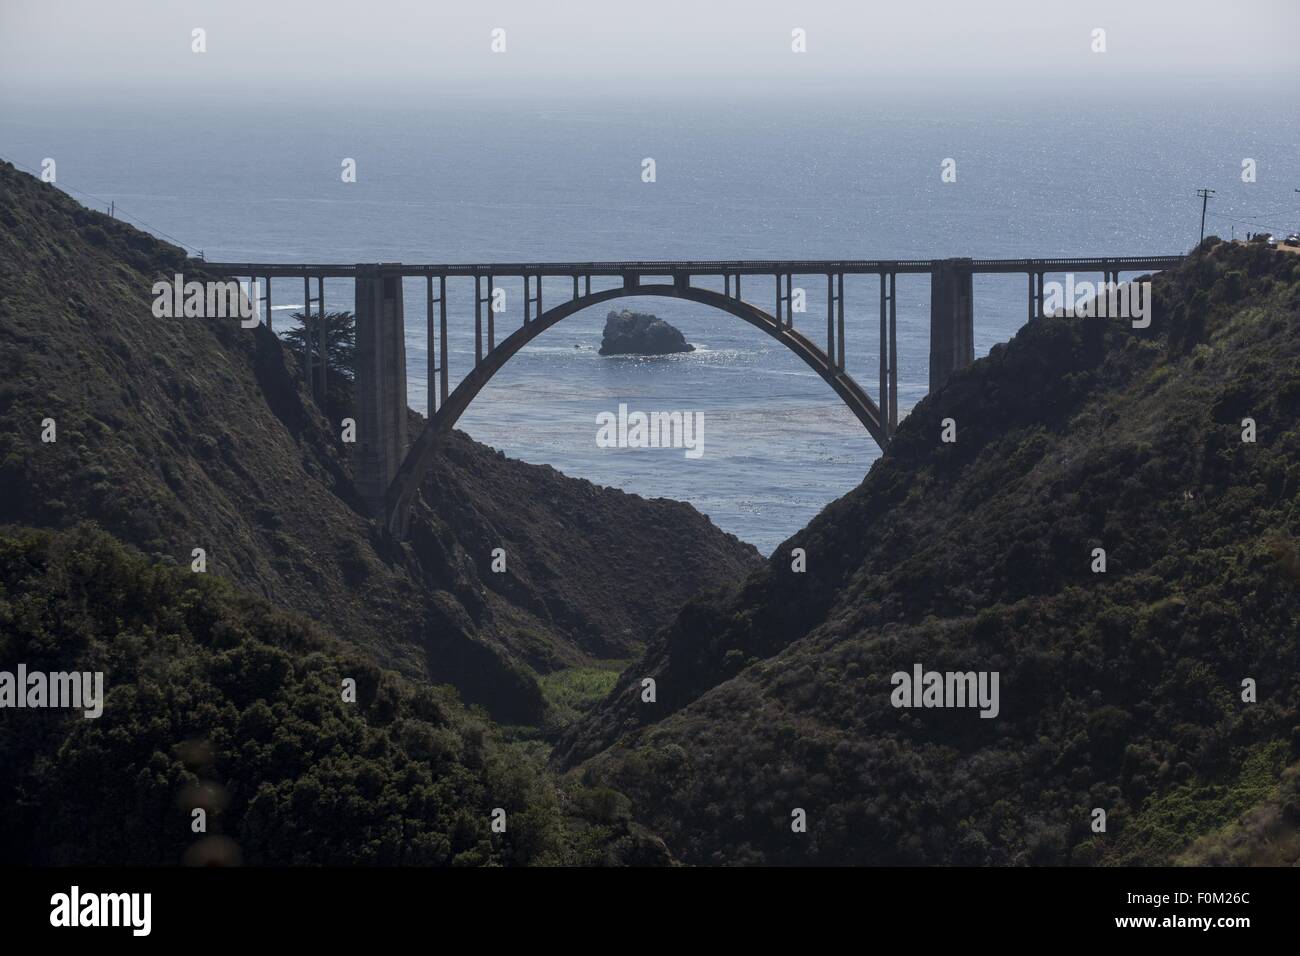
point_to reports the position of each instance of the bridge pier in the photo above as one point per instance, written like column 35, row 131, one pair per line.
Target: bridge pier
column 952, row 319
column 888, row 354
column 322, row 351
column 380, row 385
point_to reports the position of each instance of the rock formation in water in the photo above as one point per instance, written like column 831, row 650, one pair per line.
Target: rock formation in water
column 640, row 333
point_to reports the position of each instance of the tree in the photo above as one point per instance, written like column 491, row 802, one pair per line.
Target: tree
column 340, row 340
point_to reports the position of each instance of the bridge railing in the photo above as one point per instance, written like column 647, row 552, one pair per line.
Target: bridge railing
column 693, row 267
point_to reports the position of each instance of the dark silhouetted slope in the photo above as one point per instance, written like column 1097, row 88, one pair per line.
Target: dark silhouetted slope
column 1119, row 691
column 176, row 434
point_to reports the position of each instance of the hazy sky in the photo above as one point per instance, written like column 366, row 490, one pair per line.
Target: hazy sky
column 99, row 46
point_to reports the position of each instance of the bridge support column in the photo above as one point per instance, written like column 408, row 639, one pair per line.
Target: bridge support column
column 889, row 353
column 308, row 360
column 442, row 339
column 478, row 320
column 952, row 319
column 893, row 354
column 839, row 311
column 322, row 348
column 380, row 386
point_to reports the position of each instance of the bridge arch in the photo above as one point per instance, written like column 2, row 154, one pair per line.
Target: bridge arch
column 402, row 490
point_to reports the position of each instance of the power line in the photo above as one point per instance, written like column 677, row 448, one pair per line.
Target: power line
column 1249, row 222
column 1275, row 212
column 114, row 209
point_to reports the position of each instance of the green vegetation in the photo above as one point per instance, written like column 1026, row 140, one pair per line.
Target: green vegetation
column 217, row 700
column 575, row 690
column 1266, row 835
column 340, row 350
column 340, row 339
column 1163, row 825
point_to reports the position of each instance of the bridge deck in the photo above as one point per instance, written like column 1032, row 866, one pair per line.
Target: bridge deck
column 692, row 267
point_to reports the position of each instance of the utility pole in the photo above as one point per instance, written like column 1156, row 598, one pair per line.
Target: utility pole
column 1205, row 195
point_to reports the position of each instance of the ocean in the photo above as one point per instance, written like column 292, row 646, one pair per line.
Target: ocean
column 481, row 179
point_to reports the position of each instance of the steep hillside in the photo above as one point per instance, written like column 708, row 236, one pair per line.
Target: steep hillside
column 216, row 701
column 1119, row 690
column 572, row 568
column 177, row 434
